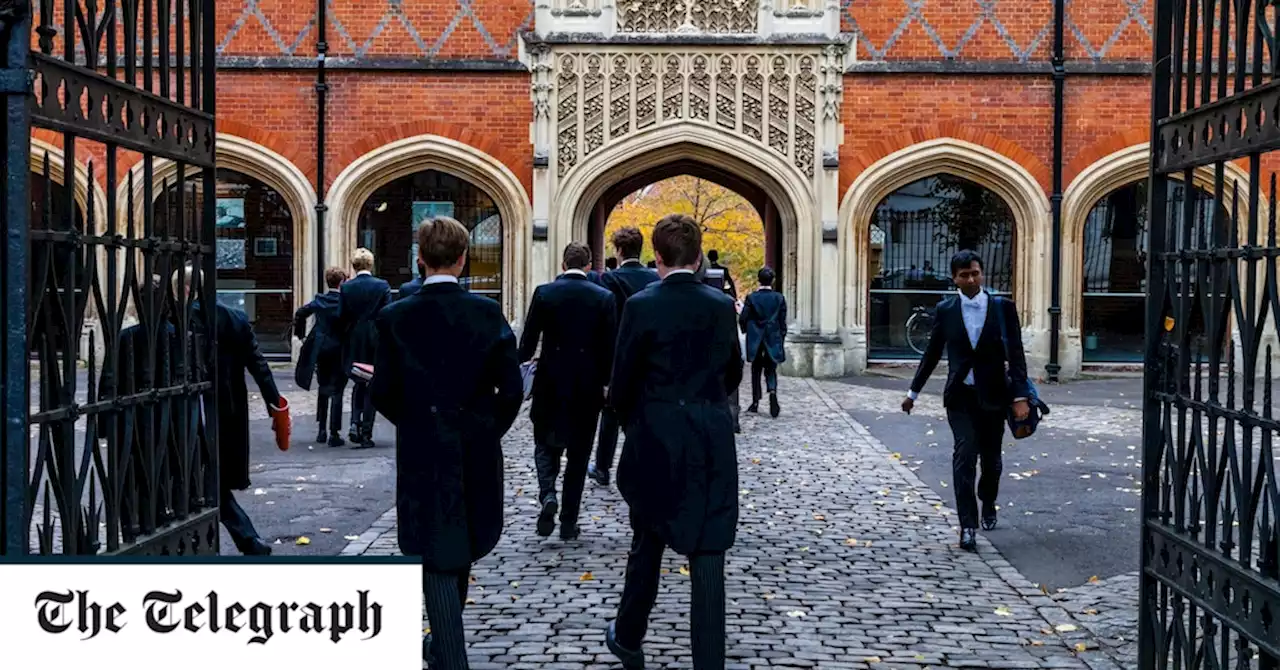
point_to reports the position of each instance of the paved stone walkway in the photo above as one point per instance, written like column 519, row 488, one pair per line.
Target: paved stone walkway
column 844, row 559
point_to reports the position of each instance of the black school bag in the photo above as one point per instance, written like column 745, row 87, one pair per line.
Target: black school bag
column 1026, row 427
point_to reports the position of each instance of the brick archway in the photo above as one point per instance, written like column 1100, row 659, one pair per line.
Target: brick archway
column 1008, row 178
column 403, row 157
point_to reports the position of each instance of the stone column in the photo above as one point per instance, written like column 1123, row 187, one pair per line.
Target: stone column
column 540, row 66
column 828, row 353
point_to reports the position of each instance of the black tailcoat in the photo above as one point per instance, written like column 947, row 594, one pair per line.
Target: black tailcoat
column 627, row 281
column 321, row 354
column 238, row 353
column 575, row 320
column 360, row 299
column 764, row 320
column 987, row 360
column 409, row 288
column 448, row 377
column 677, row 361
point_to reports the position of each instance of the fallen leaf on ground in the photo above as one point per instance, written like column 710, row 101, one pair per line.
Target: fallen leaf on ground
column 1003, row 611
column 326, row 530
column 471, row 579
column 1091, row 611
column 684, row 570
column 795, row 614
column 350, row 538
column 1080, row 646
column 769, row 596
column 1037, row 643
column 304, row 540
column 1065, row 627
column 471, row 601
column 851, row 542
column 586, row 576
column 1093, row 579
column 259, row 492
column 871, row 659
column 819, row 517
column 756, row 461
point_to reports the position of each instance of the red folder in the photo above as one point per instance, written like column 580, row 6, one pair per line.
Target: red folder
column 281, row 423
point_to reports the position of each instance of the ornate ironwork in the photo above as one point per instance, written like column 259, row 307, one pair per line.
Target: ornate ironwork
column 1210, row 591
column 109, row 443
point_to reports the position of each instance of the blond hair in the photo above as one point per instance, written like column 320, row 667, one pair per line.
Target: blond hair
column 442, row 241
column 362, row 260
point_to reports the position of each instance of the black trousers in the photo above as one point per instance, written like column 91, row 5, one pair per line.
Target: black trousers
column 640, row 592
column 446, row 595
column 763, row 362
column 235, row 520
column 978, row 433
column 607, row 444
column 329, row 405
column 570, row 437
column 362, row 412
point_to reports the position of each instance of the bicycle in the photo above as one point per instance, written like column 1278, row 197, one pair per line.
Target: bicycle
column 919, row 327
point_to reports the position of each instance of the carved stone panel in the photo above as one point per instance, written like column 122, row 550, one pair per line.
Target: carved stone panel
column 716, row 17
column 767, row 96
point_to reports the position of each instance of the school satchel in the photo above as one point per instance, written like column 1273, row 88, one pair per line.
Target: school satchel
column 362, row 372
column 1026, row 427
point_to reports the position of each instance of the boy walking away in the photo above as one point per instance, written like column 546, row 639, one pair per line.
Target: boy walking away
column 764, row 320
column 321, row 357
column 575, row 320
column 979, row 391
column 447, row 376
column 675, row 365
column 359, row 301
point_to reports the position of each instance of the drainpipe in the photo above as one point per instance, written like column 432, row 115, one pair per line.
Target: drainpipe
column 1059, row 83
column 322, row 89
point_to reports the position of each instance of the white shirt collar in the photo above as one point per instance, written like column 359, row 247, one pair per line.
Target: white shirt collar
column 680, row 271
column 575, row 271
column 364, row 272
column 979, row 300
column 629, row 260
column 440, row 279
column 765, row 288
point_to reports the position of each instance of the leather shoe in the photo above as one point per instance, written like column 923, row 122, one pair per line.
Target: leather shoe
column 547, row 517
column 353, row 435
column 598, row 476
column 322, row 436
column 754, row 407
column 335, row 440
column 631, row 660
column 568, row 532
column 255, row 547
column 774, row 409
column 364, row 443
column 988, row 516
column 969, row 539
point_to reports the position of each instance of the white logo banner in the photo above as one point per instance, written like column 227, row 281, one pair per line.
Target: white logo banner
column 213, row 616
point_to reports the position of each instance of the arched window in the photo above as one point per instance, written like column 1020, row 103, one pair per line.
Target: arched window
column 390, row 216
column 1115, row 266
column 914, row 233
column 254, row 239
column 53, row 265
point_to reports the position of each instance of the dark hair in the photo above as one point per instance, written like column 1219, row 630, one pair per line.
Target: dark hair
column 576, row 256
column 651, row 264
column 963, row 259
column 334, row 276
column 611, row 263
column 678, row 239
column 765, row 275
column 628, row 241
column 713, row 256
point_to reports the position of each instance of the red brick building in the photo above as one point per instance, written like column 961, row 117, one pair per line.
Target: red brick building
column 876, row 137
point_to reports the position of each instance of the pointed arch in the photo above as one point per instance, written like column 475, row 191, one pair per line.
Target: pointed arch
column 57, row 173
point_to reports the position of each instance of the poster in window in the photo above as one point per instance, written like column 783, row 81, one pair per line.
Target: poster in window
column 231, row 254
column 231, row 212
column 264, row 247
column 423, row 210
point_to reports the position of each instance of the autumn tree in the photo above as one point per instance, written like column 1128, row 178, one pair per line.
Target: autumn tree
column 729, row 223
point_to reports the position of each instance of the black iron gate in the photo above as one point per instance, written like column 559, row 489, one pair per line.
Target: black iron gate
column 1211, row 510
column 107, row 395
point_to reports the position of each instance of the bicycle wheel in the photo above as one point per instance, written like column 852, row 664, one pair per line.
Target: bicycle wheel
column 919, row 328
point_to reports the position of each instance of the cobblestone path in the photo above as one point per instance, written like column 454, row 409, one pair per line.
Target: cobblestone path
column 844, row 559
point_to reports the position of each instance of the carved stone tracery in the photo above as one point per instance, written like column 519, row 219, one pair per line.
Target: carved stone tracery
column 622, row 91
column 717, row 17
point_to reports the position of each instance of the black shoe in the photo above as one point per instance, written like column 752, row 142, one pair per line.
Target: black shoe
column 255, row 547
column 364, row 443
column 547, row 517
column 322, row 436
column 336, row 440
column 354, row 435
column 598, row 476
column 631, row 660
column 426, row 649
column 774, row 409
column 755, row 407
column 737, row 427
column 568, row 532
column 988, row 516
column 969, row 539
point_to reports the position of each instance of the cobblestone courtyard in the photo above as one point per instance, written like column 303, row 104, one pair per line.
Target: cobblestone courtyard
column 844, row 559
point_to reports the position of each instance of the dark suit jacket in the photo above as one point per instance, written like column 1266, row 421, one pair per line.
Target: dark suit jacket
column 448, row 434
column 238, row 353
column 321, row 353
column 676, row 363
column 576, row 321
column 987, row 360
column 360, row 299
column 409, row 288
column 764, row 320
column 626, row 281
column 729, row 286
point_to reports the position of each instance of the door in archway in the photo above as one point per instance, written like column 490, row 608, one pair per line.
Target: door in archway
column 393, row 212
